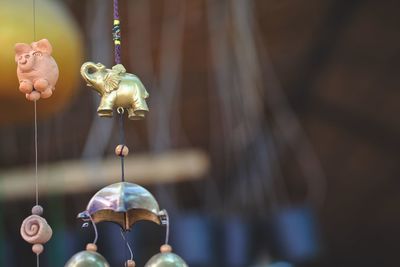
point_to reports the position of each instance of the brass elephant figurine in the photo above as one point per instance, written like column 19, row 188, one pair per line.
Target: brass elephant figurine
column 117, row 89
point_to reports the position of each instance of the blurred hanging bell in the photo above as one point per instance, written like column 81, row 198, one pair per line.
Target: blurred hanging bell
column 122, row 203
column 166, row 259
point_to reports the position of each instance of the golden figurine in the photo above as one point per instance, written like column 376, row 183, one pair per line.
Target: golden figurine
column 117, row 88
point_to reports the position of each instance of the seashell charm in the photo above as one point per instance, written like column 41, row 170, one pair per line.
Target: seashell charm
column 36, row 231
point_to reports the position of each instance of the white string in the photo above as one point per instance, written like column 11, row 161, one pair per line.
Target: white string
column 36, row 159
column 127, row 244
column 36, row 138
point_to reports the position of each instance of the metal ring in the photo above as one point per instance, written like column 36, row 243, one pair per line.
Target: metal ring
column 120, row 110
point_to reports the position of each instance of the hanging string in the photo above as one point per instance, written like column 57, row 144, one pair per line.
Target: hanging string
column 36, row 158
column 122, row 141
column 127, row 244
column 34, row 19
column 167, row 227
column 116, row 32
column 96, row 234
column 36, row 135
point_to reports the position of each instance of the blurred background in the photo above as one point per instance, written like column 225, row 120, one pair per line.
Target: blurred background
column 272, row 137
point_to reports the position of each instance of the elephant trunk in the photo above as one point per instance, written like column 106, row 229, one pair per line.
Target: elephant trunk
column 92, row 75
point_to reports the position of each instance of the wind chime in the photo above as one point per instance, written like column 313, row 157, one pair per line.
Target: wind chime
column 123, row 203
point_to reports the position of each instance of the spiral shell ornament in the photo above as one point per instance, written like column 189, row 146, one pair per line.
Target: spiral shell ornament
column 36, row 231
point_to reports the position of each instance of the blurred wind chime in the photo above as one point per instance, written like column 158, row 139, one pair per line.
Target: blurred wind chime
column 122, row 203
column 37, row 73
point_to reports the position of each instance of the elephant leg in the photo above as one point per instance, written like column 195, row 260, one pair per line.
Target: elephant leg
column 140, row 109
column 133, row 116
column 105, row 108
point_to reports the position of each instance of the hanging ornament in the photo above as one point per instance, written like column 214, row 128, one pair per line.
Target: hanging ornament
column 117, row 88
column 166, row 258
column 35, row 230
column 122, row 203
column 54, row 22
column 37, row 73
column 88, row 258
column 37, row 70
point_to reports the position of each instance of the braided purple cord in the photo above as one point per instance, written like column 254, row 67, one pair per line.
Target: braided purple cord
column 117, row 35
column 116, row 14
column 117, row 54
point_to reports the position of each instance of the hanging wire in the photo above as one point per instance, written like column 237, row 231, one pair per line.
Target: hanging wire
column 35, row 119
column 96, row 233
column 166, row 218
column 34, row 18
column 36, row 157
column 122, row 141
column 127, row 244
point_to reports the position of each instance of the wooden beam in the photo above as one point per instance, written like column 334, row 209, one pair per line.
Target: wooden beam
column 69, row 177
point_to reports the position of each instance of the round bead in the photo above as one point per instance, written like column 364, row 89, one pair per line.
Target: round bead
column 166, row 248
column 37, row 249
column 37, row 210
column 91, row 247
column 130, row 263
column 122, row 151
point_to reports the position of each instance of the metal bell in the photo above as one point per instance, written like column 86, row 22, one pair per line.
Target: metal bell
column 166, row 259
column 122, row 203
column 87, row 259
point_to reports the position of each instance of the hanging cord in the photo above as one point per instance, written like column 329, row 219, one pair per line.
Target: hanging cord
column 122, row 141
column 34, row 19
column 116, row 32
column 127, row 244
column 164, row 218
column 36, row 158
column 86, row 224
column 36, row 139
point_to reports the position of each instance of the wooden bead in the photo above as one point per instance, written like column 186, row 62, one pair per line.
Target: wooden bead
column 91, row 247
column 130, row 263
column 37, row 249
column 37, row 210
column 166, row 248
column 122, row 151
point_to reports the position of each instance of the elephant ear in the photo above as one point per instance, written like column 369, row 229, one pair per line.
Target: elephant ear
column 119, row 68
column 111, row 81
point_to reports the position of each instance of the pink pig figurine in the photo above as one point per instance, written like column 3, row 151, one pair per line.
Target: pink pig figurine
column 37, row 70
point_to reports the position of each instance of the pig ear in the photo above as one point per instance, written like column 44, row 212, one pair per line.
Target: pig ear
column 20, row 49
column 43, row 46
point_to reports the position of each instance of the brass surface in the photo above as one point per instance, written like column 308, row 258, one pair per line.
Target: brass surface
column 117, row 88
column 122, row 203
column 87, row 259
column 166, row 260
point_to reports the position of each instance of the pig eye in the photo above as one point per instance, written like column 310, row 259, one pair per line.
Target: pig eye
column 37, row 54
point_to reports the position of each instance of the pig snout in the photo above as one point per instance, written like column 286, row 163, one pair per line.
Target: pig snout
column 24, row 59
